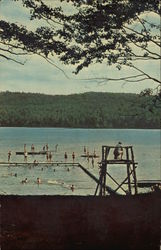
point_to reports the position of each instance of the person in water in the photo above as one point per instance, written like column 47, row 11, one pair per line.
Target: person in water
column 72, row 188
column 50, row 156
column 35, row 163
column 32, row 148
column 25, row 156
column 24, row 147
column 118, row 151
column 73, row 156
column 65, row 156
column 24, row 181
column 9, row 156
column 56, row 147
column 38, row 181
column 47, row 156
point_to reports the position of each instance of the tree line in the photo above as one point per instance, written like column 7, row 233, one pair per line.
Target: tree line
column 87, row 110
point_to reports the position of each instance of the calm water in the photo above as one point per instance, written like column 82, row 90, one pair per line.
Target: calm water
column 57, row 180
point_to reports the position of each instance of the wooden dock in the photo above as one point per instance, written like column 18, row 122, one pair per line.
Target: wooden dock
column 90, row 156
column 15, row 164
column 112, row 161
column 148, row 183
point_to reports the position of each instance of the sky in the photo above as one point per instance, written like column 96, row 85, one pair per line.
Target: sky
column 39, row 76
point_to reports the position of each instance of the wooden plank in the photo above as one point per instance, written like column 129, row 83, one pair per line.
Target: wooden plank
column 115, row 146
column 148, row 183
column 39, row 163
column 110, row 190
column 90, row 156
column 120, row 162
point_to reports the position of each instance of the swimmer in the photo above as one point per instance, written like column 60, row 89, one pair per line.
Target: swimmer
column 72, row 188
column 32, row 148
column 25, row 156
column 50, row 156
column 24, row 181
column 56, row 147
column 65, row 156
column 47, row 156
column 35, row 162
column 38, row 181
column 73, row 156
column 9, row 156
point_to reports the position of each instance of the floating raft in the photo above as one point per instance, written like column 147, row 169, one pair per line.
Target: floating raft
column 90, row 156
column 32, row 153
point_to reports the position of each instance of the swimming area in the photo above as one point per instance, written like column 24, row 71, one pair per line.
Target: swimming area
column 57, row 180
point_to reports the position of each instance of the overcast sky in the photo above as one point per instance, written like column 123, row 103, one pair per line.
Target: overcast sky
column 39, row 76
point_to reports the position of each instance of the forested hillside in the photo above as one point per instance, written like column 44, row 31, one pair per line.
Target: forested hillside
column 87, row 110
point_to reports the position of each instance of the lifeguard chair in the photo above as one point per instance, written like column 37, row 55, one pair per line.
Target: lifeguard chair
column 130, row 180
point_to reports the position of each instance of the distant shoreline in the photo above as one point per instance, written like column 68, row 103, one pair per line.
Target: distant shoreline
column 81, row 128
column 87, row 110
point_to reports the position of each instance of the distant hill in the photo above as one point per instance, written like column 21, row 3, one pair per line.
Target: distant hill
column 87, row 110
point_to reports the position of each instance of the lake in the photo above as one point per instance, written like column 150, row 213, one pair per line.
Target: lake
column 57, row 180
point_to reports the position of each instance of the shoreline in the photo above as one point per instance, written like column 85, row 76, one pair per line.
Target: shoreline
column 51, row 222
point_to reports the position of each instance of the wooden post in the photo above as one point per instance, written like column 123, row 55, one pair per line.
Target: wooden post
column 105, row 152
column 134, row 171
column 104, row 172
column 128, row 170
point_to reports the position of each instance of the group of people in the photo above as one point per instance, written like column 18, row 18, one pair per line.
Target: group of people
column 66, row 156
column 38, row 181
column 86, row 152
column 45, row 147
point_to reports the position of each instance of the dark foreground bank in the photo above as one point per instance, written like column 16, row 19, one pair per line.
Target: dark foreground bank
column 74, row 222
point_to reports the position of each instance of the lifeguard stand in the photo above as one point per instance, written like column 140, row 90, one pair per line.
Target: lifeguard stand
column 130, row 164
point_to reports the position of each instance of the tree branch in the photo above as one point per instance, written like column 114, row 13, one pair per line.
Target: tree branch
column 11, row 59
column 158, row 44
column 113, row 79
column 14, row 53
column 141, row 71
column 49, row 60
